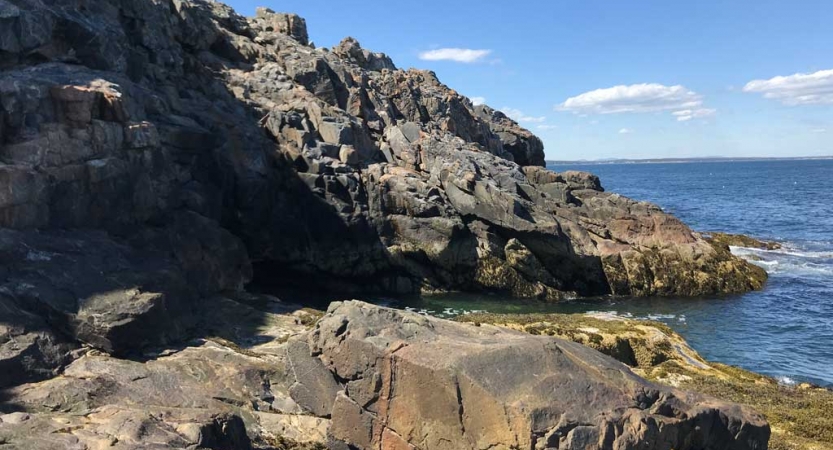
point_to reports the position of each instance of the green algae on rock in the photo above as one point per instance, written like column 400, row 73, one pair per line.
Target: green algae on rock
column 740, row 240
column 801, row 416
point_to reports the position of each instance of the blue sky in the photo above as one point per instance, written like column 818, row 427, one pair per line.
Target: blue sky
column 671, row 79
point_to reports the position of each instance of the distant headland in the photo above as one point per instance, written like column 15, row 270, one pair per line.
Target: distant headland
column 685, row 160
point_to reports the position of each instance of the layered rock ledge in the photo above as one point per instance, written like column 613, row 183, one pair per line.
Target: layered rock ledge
column 332, row 167
column 798, row 414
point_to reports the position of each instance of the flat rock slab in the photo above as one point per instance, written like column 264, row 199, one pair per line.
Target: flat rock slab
column 418, row 382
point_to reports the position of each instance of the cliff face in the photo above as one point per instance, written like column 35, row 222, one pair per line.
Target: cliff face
column 157, row 155
column 331, row 166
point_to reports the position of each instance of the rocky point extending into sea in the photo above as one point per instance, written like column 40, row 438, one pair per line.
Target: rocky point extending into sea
column 158, row 156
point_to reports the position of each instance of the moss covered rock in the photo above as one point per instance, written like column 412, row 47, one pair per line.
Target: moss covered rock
column 801, row 416
column 740, row 240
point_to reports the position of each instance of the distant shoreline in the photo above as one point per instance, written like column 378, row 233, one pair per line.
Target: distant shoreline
column 686, row 160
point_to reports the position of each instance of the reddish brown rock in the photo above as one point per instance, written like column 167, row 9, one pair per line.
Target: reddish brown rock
column 424, row 383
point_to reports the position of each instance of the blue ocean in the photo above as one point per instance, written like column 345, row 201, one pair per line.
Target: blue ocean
column 785, row 331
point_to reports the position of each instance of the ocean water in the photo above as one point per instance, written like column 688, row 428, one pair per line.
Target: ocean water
column 785, row 331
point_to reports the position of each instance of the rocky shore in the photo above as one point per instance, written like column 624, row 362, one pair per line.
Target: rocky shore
column 328, row 166
column 740, row 240
column 157, row 157
column 799, row 415
column 363, row 377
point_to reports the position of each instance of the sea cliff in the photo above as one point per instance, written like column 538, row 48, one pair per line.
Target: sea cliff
column 157, row 157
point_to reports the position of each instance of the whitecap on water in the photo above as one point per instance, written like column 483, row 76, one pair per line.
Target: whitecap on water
column 791, row 260
column 786, row 381
column 658, row 317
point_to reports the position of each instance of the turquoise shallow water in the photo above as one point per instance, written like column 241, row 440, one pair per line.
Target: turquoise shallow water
column 785, row 331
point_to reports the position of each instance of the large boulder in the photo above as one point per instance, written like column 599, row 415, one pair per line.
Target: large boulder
column 424, row 383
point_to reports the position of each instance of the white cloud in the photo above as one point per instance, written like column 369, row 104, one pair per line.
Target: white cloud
column 636, row 98
column 518, row 116
column 819, row 130
column 688, row 114
column 799, row 89
column 478, row 101
column 463, row 55
column 547, row 127
column 625, row 131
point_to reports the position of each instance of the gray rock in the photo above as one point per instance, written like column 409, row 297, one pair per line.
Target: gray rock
column 314, row 388
column 350, row 50
column 348, row 155
column 141, row 135
column 112, row 296
column 229, row 391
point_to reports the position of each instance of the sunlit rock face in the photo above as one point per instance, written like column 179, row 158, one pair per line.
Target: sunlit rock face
column 157, row 156
column 417, row 382
column 329, row 165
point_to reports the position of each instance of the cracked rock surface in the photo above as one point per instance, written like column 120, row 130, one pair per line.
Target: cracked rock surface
column 331, row 166
column 425, row 383
column 158, row 156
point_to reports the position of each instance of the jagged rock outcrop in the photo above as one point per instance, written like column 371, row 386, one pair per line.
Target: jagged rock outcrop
column 423, row 383
column 156, row 155
column 330, row 166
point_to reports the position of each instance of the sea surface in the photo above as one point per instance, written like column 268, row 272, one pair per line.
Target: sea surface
column 785, row 331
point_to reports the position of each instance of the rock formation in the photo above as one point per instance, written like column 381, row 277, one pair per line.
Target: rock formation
column 738, row 240
column 417, row 382
column 156, row 156
column 365, row 377
column 330, row 166
column 797, row 414
column 231, row 387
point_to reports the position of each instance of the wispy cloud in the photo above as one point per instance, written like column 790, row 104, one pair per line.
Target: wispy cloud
column 684, row 103
column 819, row 130
column 688, row 114
column 625, row 131
column 462, row 55
column 547, row 127
column 798, row 89
column 518, row 116
column 478, row 100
